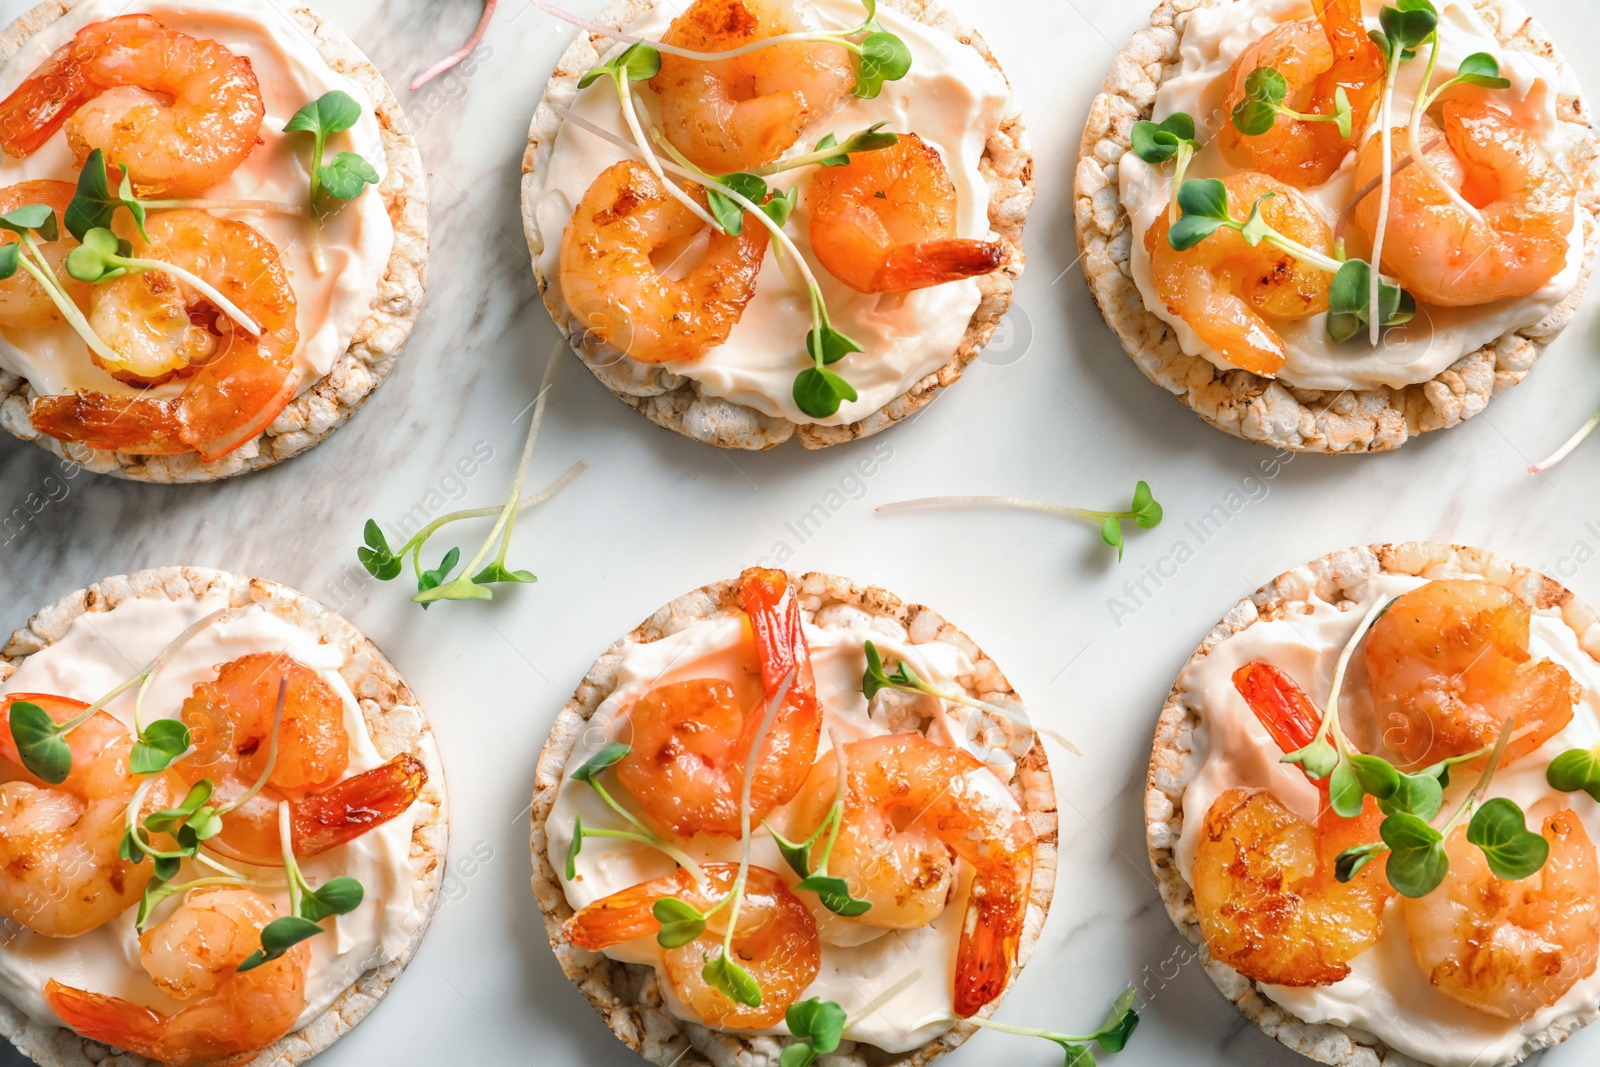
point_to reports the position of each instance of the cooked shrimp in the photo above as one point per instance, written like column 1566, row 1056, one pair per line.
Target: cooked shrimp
column 1448, row 663
column 24, row 305
column 1440, row 252
column 1265, row 887
column 908, row 805
column 180, row 112
column 1511, row 948
column 1317, row 57
column 691, row 740
column 886, row 222
column 775, row 941
column 230, row 721
column 194, row 955
column 615, row 289
column 1230, row 293
column 236, row 384
column 60, row 873
column 733, row 114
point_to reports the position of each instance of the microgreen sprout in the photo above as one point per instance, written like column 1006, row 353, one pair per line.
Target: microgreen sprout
column 41, row 741
column 1171, row 139
column 1113, row 1036
column 590, row 774
column 1575, row 771
column 833, row 892
column 880, row 56
column 778, row 206
column 345, row 176
column 1569, row 447
column 449, row 62
column 40, row 219
column 1144, row 512
column 103, row 257
column 819, row 1026
column 1480, row 69
column 905, row 678
column 1265, row 90
column 94, row 205
column 385, row 564
column 308, row 906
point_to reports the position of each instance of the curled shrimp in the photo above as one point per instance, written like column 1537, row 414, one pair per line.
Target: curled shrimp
column 180, row 112
column 24, row 305
column 1231, row 293
column 230, row 721
column 1439, row 251
column 733, row 114
column 1448, row 663
column 692, row 740
column 235, row 384
column 1317, row 57
column 194, row 955
column 908, row 805
column 60, row 872
column 1511, row 948
column 886, row 222
column 614, row 287
column 776, row 940
column 1266, row 891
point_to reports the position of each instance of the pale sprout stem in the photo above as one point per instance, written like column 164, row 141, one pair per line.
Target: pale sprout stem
column 454, row 58
column 631, row 116
column 1570, row 447
column 69, row 311
column 206, row 289
column 272, row 753
column 1375, row 297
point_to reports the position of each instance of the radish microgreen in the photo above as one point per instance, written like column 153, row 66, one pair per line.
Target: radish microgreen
column 1576, row 771
column 103, row 257
column 308, row 906
column 819, row 1026
column 834, row 893
column 1145, row 512
column 1173, row 138
column 95, row 206
column 1265, row 90
column 454, row 58
column 590, row 774
column 1113, row 1036
column 40, row 219
column 345, row 176
column 778, row 206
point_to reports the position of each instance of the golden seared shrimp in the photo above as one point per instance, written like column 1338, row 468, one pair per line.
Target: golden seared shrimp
column 613, row 285
column 60, row 872
column 909, row 804
column 1440, row 252
column 886, row 222
column 1448, row 663
column 691, row 740
column 1317, row 57
column 235, row 384
column 194, row 956
column 24, row 305
column 230, row 722
column 733, row 114
column 1230, row 293
column 1511, row 948
column 775, row 941
column 180, row 112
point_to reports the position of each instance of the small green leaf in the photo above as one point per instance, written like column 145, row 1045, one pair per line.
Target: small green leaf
column 1147, row 514
column 602, row 761
column 10, row 259
column 732, row 981
column 1205, row 198
column 1344, row 791
column 872, row 139
column 1350, row 862
column 1190, row 230
column 40, row 746
column 830, row 141
column 1512, row 850
column 818, row 1022
column 496, row 574
column 594, row 74
column 1346, row 116
column 347, row 176
column 884, row 58
column 95, row 260
column 1576, row 771
column 1111, row 534
column 799, row 1054
column 155, row 891
column 1159, row 142
column 278, row 937
column 339, row 896
column 29, row 217
column 436, row 577
column 835, row 896
column 1377, row 776
column 204, row 824
column 129, row 850
column 681, row 922
column 1481, row 69
column 781, row 205
column 1416, row 794
column 162, row 742
column 830, row 346
column 640, row 62
column 166, row 867
column 819, row 392
column 376, row 557
column 332, row 113
column 1257, row 229
column 1120, row 1023
column 1318, row 759
column 1417, row 861
column 728, row 212
column 575, row 849
column 1265, row 83
column 462, row 588
column 797, row 854
column 1077, row 1055
column 871, row 682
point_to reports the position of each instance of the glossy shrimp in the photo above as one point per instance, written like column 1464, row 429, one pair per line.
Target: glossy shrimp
column 733, row 114
column 616, row 289
column 60, row 872
column 1317, row 57
column 776, row 940
column 24, row 305
column 194, row 956
column 1448, row 663
column 1439, row 251
column 1232, row 294
column 230, row 721
column 1511, row 948
column 1266, row 892
column 886, row 222
column 909, row 804
column 180, row 112
column 235, row 384
column 691, row 740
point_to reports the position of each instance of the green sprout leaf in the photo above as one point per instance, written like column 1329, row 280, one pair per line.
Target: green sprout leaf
column 332, row 113
column 732, row 981
column 10, row 259
column 1405, row 27
column 168, row 821
column 681, row 922
column 1513, row 851
column 1160, row 142
column 1481, row 69
column 1111, row 534
column 1256, row 228
column 780, row 206
column 278, row 937
column 1350, row 302
column 462, row 588
column 575, row 849
column 129, row 849
column 601, row 762
column 1344, row 791
column 376, row 557
column 40, row 218
column 819, row 1024
column 1319, row 759
column 1417, row 861
column 162, row 742
column 1577, row 771
column 873, row 680
column 1120, row 1023
column 728, row 213
column 1147, row 513
column 1204, row 203
column 339, row 896
column 819, row 392
column 640, row 63
column 1351, row 861
column 435, row 578
column 40, row 746
column 496, row 573
column 94, row 206
column 884, row 58
column 1376, row 776
column 835, row 896
column 347, row 176
column 95, row 260
column 1264, row 90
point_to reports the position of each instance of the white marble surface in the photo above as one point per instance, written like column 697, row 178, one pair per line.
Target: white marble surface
column 1056, row 412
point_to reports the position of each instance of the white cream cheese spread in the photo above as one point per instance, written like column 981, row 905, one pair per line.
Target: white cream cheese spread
column 98, row 652
column 1386, row 994
column 1213, row 39
column 896, row 985
column 356, row 241
column 951, row 98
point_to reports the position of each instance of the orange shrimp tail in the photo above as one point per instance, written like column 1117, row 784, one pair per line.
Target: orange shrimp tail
column 108, row 1020
column 1280, row 704
column 780, row 637
column 612, row 920
column 988, row 949
column 349, row 809
column 930, row 263
column 39, row 107
column 796, row 732
column 111, row 423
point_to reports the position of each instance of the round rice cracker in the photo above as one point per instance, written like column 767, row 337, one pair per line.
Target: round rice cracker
column 678, row 403
column 1336, row 578
column 628, row 996
column 374, row 347
column 397, row 724
column 1274, row 412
